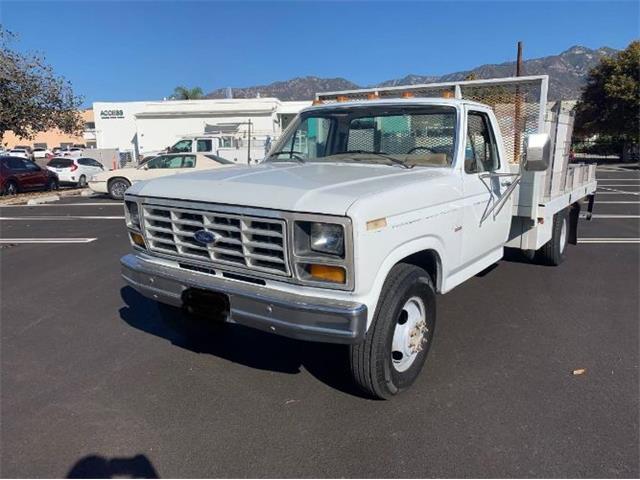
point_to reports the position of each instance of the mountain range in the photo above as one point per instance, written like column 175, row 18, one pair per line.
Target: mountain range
column 567, row 75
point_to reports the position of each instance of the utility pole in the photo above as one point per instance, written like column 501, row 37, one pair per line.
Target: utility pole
column 249, row 142
column 519, row 60
column 517, row 121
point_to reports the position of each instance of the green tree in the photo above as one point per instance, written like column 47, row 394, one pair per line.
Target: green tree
column 32, row 97
column 610, row 102
column 184, row 93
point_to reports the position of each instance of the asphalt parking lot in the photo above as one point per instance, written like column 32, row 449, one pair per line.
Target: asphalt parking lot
column 96, row 382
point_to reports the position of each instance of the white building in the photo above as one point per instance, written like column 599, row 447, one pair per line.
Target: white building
column 146, row 127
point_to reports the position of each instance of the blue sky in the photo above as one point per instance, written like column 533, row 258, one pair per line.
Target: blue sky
column 114, row 51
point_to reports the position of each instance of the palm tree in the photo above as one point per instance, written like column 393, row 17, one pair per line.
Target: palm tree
column 184, row 93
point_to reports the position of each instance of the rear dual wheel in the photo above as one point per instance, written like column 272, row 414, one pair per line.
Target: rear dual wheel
column 554, row 252
column 397, row 343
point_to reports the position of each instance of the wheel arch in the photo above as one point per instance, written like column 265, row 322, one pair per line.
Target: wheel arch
column 430, row 261
column 118, row 177
column 426, row 252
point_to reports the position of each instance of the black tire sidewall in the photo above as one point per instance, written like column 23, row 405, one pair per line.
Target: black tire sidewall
column 560, row 219
column 6, row 188
column 82, row 181
column 416, row 284
column 114, row 182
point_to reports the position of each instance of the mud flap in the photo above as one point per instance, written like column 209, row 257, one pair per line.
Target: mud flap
column 574, row 216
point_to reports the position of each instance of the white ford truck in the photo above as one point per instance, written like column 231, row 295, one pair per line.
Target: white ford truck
column 371, row 204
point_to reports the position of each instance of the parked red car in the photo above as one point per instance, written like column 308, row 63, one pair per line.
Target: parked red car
column 21, row 175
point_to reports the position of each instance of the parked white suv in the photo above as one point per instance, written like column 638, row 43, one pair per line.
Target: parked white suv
column 19, row 152
column 76, row 171
column 41, row 152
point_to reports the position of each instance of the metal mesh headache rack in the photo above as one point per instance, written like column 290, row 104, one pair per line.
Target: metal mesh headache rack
column 518, row 102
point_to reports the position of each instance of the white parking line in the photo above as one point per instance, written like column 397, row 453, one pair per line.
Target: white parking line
column 47, row 240
column 90, row 204
column 64, row 217
column 613, row 191
column 618, row 180
column 616, row 185
column 614, row 216
column 634, row 202
column 609, row 240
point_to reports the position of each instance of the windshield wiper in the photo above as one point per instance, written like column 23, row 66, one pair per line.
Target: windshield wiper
column 380, row 154
column 295, row 155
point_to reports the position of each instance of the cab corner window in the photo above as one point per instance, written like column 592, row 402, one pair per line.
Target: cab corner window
column 480, row 154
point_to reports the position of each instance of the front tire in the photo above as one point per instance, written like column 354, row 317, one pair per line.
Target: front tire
column 82, row 181
column 11, row 188
column 554, row 252
column 117, row 187
column 52, row 185
column 395, row 348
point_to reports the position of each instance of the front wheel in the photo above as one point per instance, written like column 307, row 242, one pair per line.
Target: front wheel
column 82, row 181
column 117, row 187
column 398, row 340
column 11, row 188
column 52, row 185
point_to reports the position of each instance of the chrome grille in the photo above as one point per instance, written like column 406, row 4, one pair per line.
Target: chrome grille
column 255, row 243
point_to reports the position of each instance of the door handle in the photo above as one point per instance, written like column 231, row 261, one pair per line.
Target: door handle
column 506, row 183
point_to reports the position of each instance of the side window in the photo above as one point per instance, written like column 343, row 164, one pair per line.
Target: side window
column 174, row 161
column 481, row 154
column 32, row 167
column 310, row 138
column 203, row 145
column 16, row 164
column 155, row 162
column 189, row 161
column 182, row 146
column 84, row 161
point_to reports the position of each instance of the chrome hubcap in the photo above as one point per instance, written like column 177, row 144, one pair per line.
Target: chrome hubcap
column 409, row 335
column 118, row 189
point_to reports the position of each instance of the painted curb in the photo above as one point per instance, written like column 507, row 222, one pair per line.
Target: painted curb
column 38, row 201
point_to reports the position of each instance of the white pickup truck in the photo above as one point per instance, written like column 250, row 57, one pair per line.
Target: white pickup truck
column 363, row 212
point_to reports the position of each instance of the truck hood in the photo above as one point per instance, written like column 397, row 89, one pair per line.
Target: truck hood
column 329, row 188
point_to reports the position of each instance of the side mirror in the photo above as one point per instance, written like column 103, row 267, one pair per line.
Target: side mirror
column 537, row 149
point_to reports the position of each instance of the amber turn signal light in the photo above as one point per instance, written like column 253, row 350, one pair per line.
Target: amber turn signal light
column 328, row 273
column 137, row 239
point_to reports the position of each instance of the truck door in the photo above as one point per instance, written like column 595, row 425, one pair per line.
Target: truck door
column 483, row 232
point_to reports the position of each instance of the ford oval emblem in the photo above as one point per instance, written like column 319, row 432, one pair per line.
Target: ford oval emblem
column 205, row 237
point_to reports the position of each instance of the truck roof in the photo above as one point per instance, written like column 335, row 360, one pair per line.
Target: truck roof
column 396, row 102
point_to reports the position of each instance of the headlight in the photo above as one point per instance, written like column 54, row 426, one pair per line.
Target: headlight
column 132, row 214
column 322, row 254
column 327, row 238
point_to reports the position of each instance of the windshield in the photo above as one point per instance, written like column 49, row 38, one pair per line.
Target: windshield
column 181, row 146
column 405, row 135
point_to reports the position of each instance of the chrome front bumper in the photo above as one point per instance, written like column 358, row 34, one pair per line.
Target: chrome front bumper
column 291, row 315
